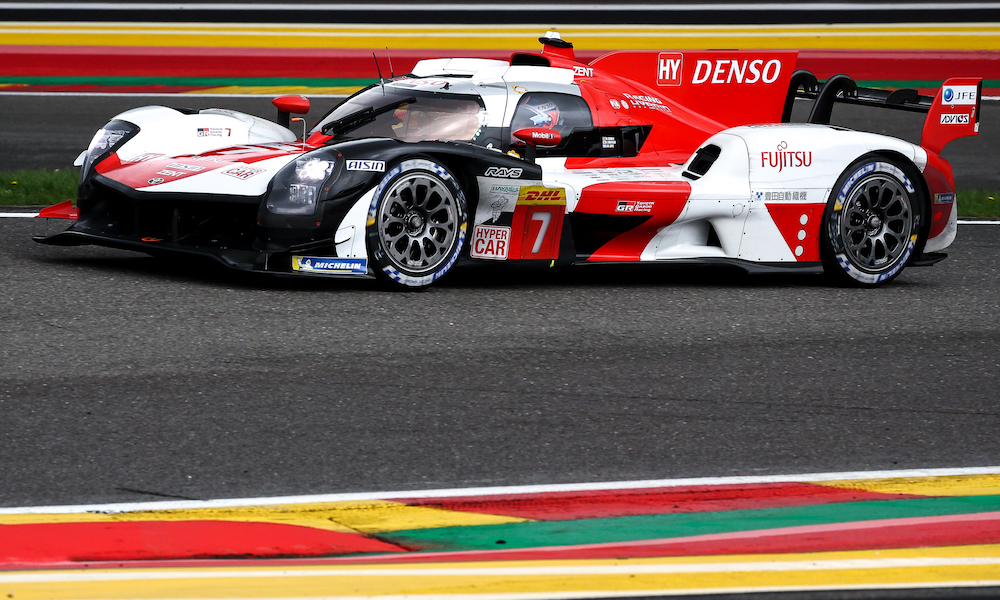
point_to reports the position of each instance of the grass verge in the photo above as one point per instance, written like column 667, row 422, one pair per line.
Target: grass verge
column 42, row 188
column 38, row 188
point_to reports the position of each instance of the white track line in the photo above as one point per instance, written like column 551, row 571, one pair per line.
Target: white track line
column 497, row 491
column 552, row 571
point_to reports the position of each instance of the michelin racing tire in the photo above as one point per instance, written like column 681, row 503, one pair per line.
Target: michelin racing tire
column 416, row 224
column 873, row 223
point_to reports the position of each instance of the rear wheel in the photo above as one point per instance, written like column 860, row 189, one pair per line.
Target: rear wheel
column 416, row 224
column 872, row 222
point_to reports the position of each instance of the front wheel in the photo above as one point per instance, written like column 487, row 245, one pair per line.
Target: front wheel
column 416, row 224
column 872, row 222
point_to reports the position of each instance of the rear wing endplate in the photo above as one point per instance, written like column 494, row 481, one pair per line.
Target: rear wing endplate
column 952, row 113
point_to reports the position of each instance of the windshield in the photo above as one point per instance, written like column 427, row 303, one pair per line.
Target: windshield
column 407, row 115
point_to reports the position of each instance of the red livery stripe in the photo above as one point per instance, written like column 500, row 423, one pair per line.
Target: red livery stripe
column 661, row 201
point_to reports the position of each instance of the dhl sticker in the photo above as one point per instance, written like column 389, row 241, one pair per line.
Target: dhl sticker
column 539, row 195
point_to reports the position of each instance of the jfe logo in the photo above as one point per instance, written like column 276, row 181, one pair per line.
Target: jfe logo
column 669, row 68
column 959, row 94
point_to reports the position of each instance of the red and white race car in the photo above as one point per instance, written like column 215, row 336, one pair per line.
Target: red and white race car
column 637, row 157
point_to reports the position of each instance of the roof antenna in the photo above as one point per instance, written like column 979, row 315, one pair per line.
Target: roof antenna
column 380, row 80
column 387, row 55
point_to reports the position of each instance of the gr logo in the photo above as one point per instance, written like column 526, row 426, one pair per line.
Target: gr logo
column 509, row 172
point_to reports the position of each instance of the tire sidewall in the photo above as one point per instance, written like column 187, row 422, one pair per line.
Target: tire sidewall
column 835, row 256
column 385, row 267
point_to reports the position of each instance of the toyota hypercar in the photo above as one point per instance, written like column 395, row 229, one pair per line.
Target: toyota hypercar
column 636, row 157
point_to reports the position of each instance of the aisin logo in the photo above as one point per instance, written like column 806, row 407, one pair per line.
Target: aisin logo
column 948, row 94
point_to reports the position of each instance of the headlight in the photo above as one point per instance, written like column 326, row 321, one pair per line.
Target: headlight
column 105, row 141
column 300, row 185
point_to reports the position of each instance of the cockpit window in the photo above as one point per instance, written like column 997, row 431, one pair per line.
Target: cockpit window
column 407, row 115
column 560, row 112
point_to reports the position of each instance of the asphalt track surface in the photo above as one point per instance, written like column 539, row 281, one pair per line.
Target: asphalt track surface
column 127, row 378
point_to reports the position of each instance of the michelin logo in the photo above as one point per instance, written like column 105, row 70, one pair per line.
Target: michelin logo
column 338, row 266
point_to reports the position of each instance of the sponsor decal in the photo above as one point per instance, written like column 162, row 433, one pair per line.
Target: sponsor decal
column 214, row 132
column 495, row 201
column 625, row 105
column 582, row 71
column 320, row 264
column 543, row 135
column 143, row 157
column 156, row 181
column 633, row 206
column 736, row 71
column 608, row 142
column 497, row 207
column 869, row 168
column 490, row 242
column 509, row 172
column 959, row 119
column 651, row 102
column 948, row 198
column 366, row 165
column 185, row 166
column 615, row 104
column 784, row 158
column 242, row 172
column 668, row 68
column 209, row 159
column 783, row 195
column 959, row 95
column 520, row 89
column 541, row 195
column 170, row 173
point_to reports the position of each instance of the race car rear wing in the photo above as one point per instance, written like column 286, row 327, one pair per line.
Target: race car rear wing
column 952, row 113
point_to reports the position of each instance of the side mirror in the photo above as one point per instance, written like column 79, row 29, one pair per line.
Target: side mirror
column 538, row 136
column 292, row 103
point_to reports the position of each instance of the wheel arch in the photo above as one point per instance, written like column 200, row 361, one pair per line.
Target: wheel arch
column 919, row 184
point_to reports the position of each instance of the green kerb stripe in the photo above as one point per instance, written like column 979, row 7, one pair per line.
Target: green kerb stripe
column 634, row 528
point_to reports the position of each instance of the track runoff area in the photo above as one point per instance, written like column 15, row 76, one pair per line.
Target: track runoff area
column 933, row 529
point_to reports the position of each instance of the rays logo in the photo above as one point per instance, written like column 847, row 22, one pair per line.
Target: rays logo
column 508, row 172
